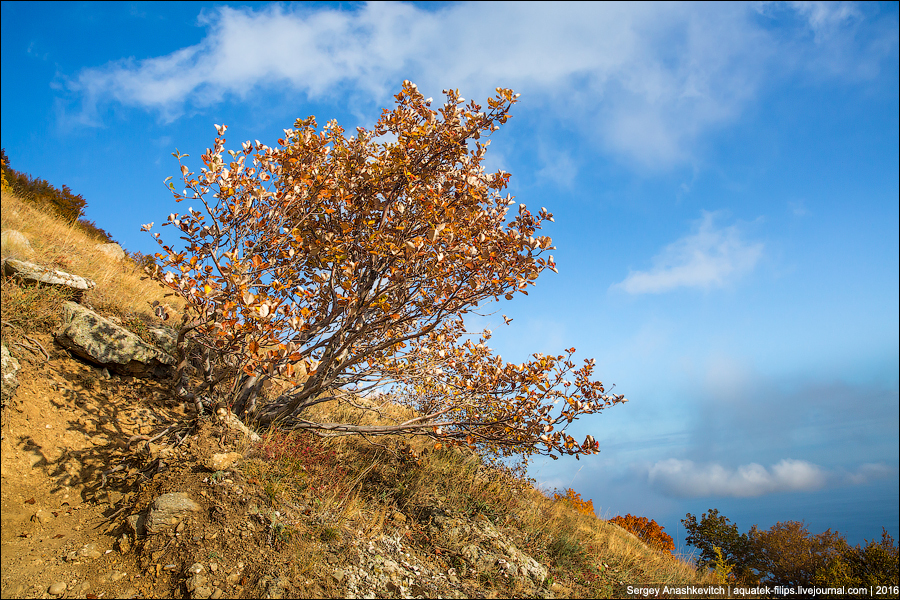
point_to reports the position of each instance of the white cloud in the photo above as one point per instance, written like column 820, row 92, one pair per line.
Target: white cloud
column 866, row 473
column 684, row 478
column 644, row 80
column 709, row 257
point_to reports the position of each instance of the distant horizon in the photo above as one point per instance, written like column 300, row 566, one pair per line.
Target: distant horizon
column 724, row 182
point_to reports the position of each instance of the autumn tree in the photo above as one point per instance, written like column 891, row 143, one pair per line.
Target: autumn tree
column 788, row 554
column 647, row 530
column 870, row 565
column 331, row 267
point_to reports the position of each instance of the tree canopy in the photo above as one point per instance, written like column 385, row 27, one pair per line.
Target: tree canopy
column 330, row 267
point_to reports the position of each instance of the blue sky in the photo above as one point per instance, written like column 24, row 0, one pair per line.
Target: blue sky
column 724, row 181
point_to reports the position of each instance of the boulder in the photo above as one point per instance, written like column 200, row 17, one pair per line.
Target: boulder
column 9, row 367
column 102, row 342
column 168, row 511
column 165, row 338
column 113, row 251
column 31, row 273
column 14, row 244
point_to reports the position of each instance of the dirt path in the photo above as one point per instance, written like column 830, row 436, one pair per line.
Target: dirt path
column 66, row 426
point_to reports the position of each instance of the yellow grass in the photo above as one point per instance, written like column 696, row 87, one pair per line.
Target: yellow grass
column 119, row 291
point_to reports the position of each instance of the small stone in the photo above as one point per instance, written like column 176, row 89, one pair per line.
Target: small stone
column 90, row 550
column 41, row 516
column 220, row 462
column 136, row 524
column 57, row 589
column 117, row 576
column 338, row 575
column 169, row 510
column 216, row 594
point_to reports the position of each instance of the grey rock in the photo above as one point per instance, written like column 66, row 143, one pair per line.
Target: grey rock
column 165, row 338
column 113, row 251
column 9, row 368
column 102, row 342
column 169, row 510
column 14, row 244
column 31, row 273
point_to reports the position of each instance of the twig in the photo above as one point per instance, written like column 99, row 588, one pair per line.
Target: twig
column 38, row 344
column 115, row 514
column 119, row 467
column 159, row 435
column 136, row 438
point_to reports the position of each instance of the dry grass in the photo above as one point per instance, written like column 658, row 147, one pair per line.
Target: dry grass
column 120, row 290
column 361, row 487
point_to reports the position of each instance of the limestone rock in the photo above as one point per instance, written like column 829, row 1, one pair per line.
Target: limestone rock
column 14, row 244
column 165, row 338
column 220, row 462
column 9, row 368
column 169, row 510
column 31, row 273
column 102, row 342
column 90, row 551
column 228, row 418
column 57, row 589
column 113, row 250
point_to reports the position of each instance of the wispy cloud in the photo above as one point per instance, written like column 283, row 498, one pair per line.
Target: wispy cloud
column 559, row 167
column 686, row 479
column 709, row 257
column 643, row 80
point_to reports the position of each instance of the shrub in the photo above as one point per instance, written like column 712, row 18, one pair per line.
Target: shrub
column 63, row 202
column 574, row 498
column 336, row 264
column 647, row 530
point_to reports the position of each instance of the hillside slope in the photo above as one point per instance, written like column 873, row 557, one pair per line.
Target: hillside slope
column 285, row 516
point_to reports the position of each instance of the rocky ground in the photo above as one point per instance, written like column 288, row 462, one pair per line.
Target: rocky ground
column 93, row 507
